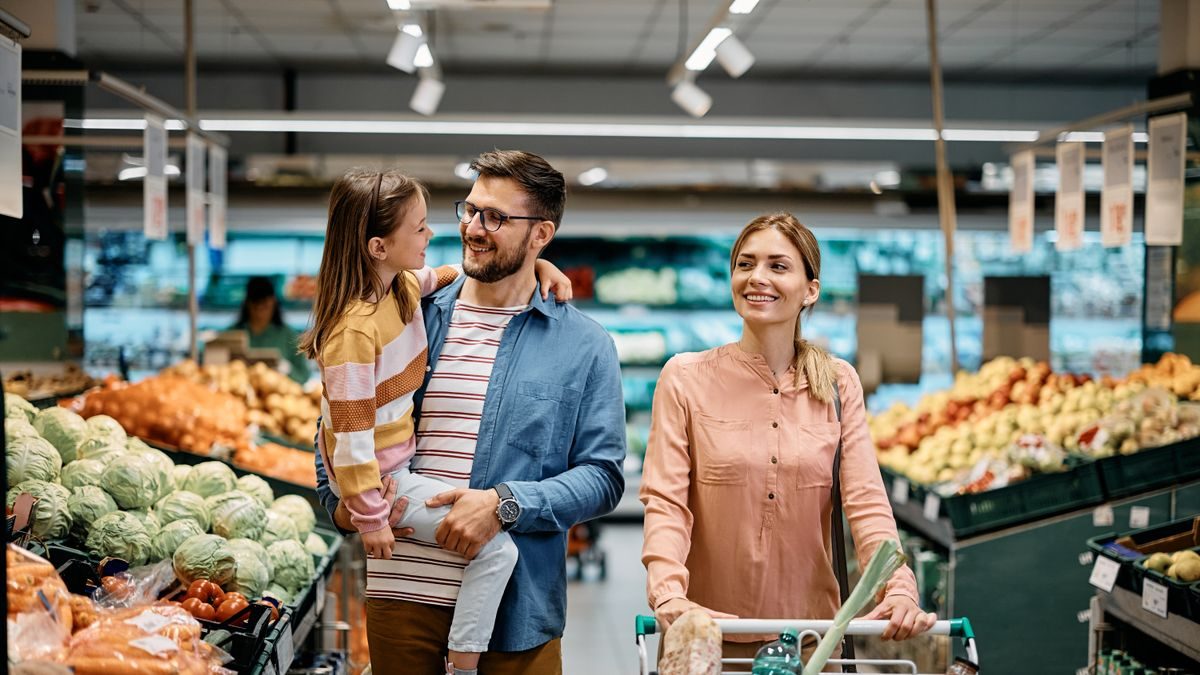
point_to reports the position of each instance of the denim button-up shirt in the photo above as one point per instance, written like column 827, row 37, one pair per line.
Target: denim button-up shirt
column 553, row 430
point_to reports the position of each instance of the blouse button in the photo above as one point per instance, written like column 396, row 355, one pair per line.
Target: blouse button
column 774, row 425
column 770, row 495
column 775, row 391
column 774, row 460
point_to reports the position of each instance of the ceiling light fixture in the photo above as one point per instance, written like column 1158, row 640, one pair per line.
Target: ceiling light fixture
column 694, row 100
column 403, row 54
column 734, row 57
column 463, row 170
column 742, row 6
column 399, row 5
column 139, row 172
column 413, row 29
column 424, row 57
column 428, row 95
column 706, row 51
column 593, row 176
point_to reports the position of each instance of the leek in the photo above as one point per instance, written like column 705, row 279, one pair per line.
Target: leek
column 887, row 559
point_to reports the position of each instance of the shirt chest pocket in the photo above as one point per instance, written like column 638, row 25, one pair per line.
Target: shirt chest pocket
column 543, row 414
column 722, row 447
column 812, row 454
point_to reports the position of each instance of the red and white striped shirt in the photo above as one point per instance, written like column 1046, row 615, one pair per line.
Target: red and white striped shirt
column 446, row 437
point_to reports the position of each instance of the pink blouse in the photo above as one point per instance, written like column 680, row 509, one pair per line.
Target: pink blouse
column 737, row 487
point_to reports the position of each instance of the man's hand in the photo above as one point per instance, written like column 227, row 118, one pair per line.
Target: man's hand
column 341, row 517
column 379, row 543
column 471, row 523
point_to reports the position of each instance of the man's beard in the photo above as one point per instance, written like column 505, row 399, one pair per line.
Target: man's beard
column 504, row 264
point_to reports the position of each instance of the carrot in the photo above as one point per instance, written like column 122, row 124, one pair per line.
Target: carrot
column 112, row 665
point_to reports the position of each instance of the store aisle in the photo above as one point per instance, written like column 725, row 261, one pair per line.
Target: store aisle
column 599, row 634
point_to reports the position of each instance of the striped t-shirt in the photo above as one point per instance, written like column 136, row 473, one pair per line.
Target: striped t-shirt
column 446, row 436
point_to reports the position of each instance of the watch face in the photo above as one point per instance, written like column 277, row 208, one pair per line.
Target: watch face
column 509, row 510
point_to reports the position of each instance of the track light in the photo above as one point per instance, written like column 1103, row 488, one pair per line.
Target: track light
column 427, row 96
column 405, row 5
column 707, row 49
column 734, row 57
column 424, row 57
column 403, row 55
column 694, row 100
column 592, row 176
column 742, row 6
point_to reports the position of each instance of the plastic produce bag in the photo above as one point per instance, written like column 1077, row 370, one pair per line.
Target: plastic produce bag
column 138, row 586
column 160, row 638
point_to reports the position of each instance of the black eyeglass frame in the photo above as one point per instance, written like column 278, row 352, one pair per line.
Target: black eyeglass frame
column 461, row 212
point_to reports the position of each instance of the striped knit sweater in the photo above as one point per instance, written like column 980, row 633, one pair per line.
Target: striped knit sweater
column 371, row 363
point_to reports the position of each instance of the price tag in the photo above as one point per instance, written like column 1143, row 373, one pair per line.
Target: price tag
column 900, row 491
column 155, row 645
column 285, row 650
column 1083, row 616
column 1104, row 574
column 1139, row 517
column 320, row 594
column 1086, row 559
column 1154, row 598
column 149, row 622
column 933, row 506
column 1102, row 516
column 1082, row 671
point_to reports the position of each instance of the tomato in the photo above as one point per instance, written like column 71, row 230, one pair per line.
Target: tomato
column 117, row 587
column 274, row 609
column 234, row 594
column 230, row 607
column 199, row 609
column 206, row 591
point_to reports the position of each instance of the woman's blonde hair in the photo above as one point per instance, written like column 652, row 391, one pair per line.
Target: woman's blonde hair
column 362, row 205
column 812, row 362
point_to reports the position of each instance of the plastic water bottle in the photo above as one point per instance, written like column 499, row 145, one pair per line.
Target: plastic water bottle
column 781, row 657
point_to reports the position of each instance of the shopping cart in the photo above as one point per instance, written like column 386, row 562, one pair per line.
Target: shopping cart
column 958, row 628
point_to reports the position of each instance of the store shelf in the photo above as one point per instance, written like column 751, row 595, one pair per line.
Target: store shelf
column 1176, row 632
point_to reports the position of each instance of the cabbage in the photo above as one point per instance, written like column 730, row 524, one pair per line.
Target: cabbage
column 180, row 474
column 237, row 514
column 292, row 564
column 64, row 429
column 132, row 481
column 279, row 593
column 100, row 449
column 279, row 527
column 18, row 427
column 162, row 464
column 32, row 458
column 103, row 426
column 172, row 535
column 316, row 545
column 299, row 510
column 184, row 505
column 204, row 556
column 148, row 520
column 256, row 487
column 86, row 505
column 252, row 575
column 119, row 535
column 251, row 547
column 16, row 407
column 82, row 472
column 209, row 479
column 51, row 518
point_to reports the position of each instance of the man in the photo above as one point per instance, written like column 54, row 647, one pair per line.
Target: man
column 522, row 412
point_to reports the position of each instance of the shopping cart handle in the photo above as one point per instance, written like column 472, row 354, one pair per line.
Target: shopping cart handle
column 960, row 628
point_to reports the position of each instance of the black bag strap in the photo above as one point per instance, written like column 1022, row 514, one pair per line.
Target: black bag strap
column 836, row 527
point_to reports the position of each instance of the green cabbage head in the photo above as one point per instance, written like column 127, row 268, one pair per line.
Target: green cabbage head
column 183, row 505
column 132, row 481
column 51, row 517
column 18, row 427
column 32, row 458
column 292, row 564
column 205, row 556
column 120, row 535
column 256, row 487
column 209, row 479
column 299, row 510
column 82, row 472
column 87, row 504
column 279, row 527
column 172, row 535
column 237, row 514
column 64, row 429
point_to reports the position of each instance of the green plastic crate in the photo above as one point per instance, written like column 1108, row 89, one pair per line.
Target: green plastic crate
column 1187, row 456
column 1037, row 497
column 1146, row 470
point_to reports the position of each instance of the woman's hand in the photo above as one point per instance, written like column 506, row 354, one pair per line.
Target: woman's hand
column 552, row 279
column 905, row 618
column 669, row 611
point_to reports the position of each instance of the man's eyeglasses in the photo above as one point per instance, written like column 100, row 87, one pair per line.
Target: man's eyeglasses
column 490, row 219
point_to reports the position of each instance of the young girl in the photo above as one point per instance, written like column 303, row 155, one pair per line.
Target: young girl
column 368, row 337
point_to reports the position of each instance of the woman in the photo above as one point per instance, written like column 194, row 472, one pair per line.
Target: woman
column 739, row 465
column 261, row 318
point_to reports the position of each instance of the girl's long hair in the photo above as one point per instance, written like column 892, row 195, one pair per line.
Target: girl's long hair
column 363, row 204
column 812, row 362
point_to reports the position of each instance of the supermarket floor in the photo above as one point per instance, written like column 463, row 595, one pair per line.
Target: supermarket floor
column 599, row 634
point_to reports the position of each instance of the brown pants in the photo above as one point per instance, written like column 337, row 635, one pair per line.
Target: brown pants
column 410, row 638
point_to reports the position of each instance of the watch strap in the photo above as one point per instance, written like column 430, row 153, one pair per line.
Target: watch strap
column 504, row 492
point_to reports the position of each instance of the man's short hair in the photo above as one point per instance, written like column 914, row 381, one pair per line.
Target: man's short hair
column 542, row 183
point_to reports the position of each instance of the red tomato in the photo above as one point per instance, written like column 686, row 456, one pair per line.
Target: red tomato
column 230, row 607
column 199, row 609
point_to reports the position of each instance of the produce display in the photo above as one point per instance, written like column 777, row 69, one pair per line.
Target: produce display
column 275, row 402
column 26, row 384
column 1181, row 566
column 278, row 461
column 174, row 411
column 1015, row 418
column 123, row 499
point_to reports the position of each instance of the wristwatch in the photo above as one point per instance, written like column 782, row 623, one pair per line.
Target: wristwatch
column 508, row 510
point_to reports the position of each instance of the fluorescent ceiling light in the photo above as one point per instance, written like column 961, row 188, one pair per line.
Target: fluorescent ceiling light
column 463, row 171
column 732, row 131
column 424, row 57
column 134, row 172
column 413, row 29
column 399, row 5
column 742, row 6
column 707, row 50
column 593, row 176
